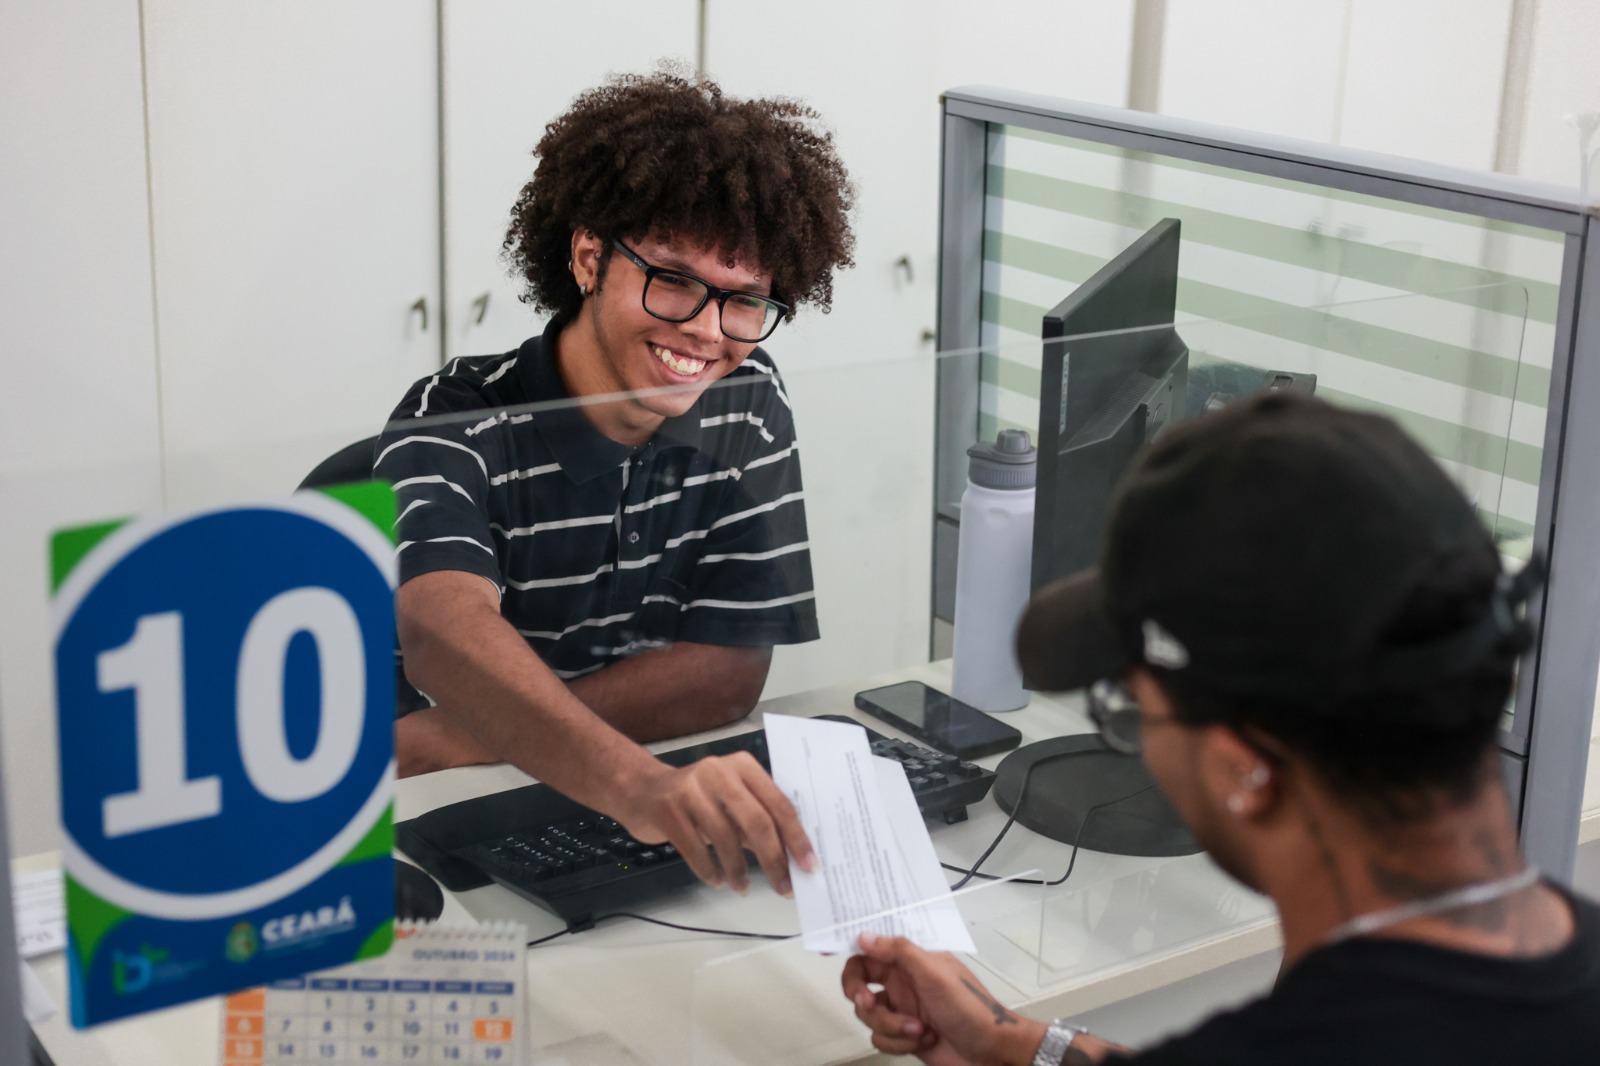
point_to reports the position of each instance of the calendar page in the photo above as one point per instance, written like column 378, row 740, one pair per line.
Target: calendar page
column 443, row 994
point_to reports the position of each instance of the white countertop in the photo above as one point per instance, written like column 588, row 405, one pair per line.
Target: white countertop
column 1119, row 927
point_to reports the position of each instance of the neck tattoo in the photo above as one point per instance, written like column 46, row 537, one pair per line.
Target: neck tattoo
column 1462, row 896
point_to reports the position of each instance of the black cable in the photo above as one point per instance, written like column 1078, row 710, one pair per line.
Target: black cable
column 552, row 936
column 1071, row 862
column 1022, row 791
column 699, row 929
column 670, row 925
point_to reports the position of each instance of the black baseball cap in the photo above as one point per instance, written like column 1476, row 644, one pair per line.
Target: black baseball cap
column 1268, row 549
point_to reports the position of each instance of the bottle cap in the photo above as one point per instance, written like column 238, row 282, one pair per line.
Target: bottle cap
column 1010, row 462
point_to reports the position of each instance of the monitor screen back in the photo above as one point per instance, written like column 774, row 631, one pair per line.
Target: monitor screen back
column 1112, row 377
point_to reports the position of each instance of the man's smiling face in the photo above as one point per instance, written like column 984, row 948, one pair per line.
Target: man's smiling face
column 633, row 351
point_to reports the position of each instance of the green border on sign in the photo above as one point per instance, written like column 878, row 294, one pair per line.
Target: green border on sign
column 69, row 546
column 378, row 841
column 372, row 500
column 91, row 918
column 379, row 943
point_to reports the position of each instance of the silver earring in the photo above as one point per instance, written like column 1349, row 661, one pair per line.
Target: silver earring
column 1257, row 777
column 1236, row 803
column 583, row 290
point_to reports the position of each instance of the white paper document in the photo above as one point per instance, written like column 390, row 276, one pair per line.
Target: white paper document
column 41, row 913
column 876, row 871
column 37, row 1006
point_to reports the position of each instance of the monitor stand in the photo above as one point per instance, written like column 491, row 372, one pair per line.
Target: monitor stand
column 1088, row 773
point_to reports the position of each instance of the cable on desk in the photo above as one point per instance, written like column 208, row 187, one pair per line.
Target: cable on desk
column 545, row 939
column 1022, row 791
column 671, row 925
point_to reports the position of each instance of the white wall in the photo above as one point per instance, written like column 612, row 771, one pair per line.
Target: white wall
column 1564, row 78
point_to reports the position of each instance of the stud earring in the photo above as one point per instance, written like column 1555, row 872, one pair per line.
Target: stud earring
column 1257, row 777
column 1236, row 803
column 583, row 290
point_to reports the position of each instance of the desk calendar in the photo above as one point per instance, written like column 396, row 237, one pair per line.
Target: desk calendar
column 443, row 994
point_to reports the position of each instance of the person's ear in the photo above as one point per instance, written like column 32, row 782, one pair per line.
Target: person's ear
column 1247, row 782
column 587, row 250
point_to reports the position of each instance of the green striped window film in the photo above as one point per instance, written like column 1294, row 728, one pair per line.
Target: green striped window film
column 1441, row 320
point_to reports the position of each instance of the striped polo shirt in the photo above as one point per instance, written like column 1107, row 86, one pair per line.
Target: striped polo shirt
column 599, row 549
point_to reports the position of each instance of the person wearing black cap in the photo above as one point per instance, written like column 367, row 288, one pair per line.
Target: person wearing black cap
column 1301, row 625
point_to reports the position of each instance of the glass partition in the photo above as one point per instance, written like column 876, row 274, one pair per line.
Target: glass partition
column 1454, row 400
column 1273, row 255
column 1038, row 194
column 790, row 510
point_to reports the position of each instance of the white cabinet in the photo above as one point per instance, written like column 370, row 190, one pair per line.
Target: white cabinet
column 862, row 376
column 1078, row 49
column 294, row 205
column 509, row 68
column 1421, row 79
column 79, row 437
column 1255, row 64
column 1424, row 79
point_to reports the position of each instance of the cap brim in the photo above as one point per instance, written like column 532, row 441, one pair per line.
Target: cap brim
column 1065, row 640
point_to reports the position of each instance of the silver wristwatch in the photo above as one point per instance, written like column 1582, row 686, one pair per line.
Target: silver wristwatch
column 1057, row 1039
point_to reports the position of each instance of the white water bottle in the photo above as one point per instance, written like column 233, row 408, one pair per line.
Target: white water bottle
column 993, row 564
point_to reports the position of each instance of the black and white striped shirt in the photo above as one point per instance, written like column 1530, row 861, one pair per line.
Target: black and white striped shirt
column 601, row 550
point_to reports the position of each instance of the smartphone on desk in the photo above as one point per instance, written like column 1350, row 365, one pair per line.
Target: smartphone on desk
column 938, row 720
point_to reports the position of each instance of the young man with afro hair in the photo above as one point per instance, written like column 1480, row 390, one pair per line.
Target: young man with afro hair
column 602, row 532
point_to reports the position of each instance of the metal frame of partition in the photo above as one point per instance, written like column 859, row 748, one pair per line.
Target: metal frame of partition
column 15, row 1033
column 1546, row 745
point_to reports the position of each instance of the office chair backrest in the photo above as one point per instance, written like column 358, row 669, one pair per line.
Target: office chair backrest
column 353, row 462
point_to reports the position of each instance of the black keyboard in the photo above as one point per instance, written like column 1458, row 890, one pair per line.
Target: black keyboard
column 578, row 864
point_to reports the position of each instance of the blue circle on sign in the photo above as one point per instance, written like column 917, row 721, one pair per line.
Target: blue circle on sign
column 216, row 571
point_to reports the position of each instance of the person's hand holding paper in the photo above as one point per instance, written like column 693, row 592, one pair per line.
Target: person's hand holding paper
column 877, row 871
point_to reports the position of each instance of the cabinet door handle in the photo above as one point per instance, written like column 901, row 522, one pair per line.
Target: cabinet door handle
column 421, row 308
column 482, row 306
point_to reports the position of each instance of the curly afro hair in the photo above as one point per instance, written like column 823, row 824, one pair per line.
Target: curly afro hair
column 669, row 156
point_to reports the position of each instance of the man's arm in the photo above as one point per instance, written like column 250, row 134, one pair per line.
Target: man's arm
column 670, row 692
column 459, row 650
column 654, row 695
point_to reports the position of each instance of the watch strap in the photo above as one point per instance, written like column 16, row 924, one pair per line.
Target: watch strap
column 1057, row 1039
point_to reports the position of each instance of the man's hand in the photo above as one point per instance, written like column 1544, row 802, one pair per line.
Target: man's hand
column 933, row 1007
column 729, row 803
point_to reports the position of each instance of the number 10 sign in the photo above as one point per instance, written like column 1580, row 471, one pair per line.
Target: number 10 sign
column 225, row 691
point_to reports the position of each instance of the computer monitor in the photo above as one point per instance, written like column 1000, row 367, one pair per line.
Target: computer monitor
column 1114, row 376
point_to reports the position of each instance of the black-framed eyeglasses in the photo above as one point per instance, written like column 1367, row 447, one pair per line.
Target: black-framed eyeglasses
column 1116, row 714
column 673, row 296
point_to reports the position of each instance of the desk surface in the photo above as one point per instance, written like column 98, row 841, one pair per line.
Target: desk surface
column 628, row 991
